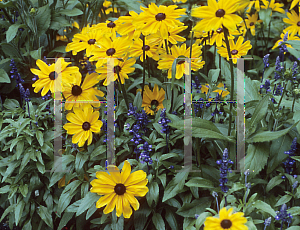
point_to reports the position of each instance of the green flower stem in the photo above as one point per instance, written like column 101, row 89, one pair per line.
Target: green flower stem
column 293, row 102
column 166, row 45
column 226, row 33
column 29, row 113
column 123, row 89
column 281, row 96
column 144, row 59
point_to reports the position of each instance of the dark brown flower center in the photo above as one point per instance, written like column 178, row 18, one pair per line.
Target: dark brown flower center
column 76, row 90
column 147, row 47
column 154, row 104
column 220, row 13
column 111, row 24
column 234, row 52
column 220, row 30
column 117, row 69
column 160, row 17
column 86, row 126
column 91, row 41
column 180, row 62
column 251, row 24
column 120, row 189
column 110, row 52
column 80, row 41
column 298, row 23
column 52, row 75
column 226, row 223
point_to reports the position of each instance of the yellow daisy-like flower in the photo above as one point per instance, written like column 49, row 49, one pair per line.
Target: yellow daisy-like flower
column 83, row 123
column 250, row 23
column 160, row 18
column 150, row 49
column 256, row 4
column 110, row 48
column 274, row 6
column 128, row 28
column 74, row 92
column 63, row 37
column 119, row 189
column 109, row 28
column 294, row 3
column 217, row 14
column 289, row 38
column 226, row 220
column 218, row 37
column 85, row 41
column 237, row 50
column 243, row 4
column 153, row 101
column 173, row 36
column 124, row 67
column 167, row 60
column 199, row 36
column 183, row 1
column 48, row 75
column 107, row 8
column 222, row 93
column 294, row 21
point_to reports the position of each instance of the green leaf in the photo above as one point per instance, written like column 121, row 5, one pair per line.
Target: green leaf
column 294, row 210
column 283, row 200
column 264, row 136
column 43, row 19
column 273, row 182
column 11, row 104
column 81, row 158
column 4, row 78
column 213, row 74
column 71, row 13
column 171, row 219
column 131, row 5
column 12, row 32
column 5, row 189
column 36, row 54
column 59, row 49
column 8, row 210
column 87, row 202
column 45, row 215
column 10, row 50
column 251, row 90
column 153, row 194
column 293, row 228
column 257, row 157
column 264, row 207
column 39, row 136
column 175, row 185
column 67, row 216
column 23, row 189
column 201, row 219
column 265, row 15
column 158, row 221
column 19, row 210
column 200, row 183
column 163, row 179
column 260, row 111
column 167, row 156
column 138, row 100
column 197, row 206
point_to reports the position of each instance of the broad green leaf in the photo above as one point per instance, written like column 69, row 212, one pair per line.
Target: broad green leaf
column 196, row 206
column 36, row 54
column 283, row 200
column 12, row 32
column 39, row 136
column 293, row 228
column 213, row 74
column 71, row 13
column 264, row 207
column 167, row 156
column 88, row 201
column 7, row 210
column 175, row 185
column 43, row 19
column 294, row 210
column 260, row 111
column 158, row 221
column 200, row 183
column 11, row 104
column 4, row 78
column 273, row 182
column 5, row 189
column 67, row 216
column 19, row 210
column 138, row 100
column 251, row 90
column 264, row 136
column 257, row 157
column 81, row 158
column 45, row 216
column 23, row 189
column 201, row 219
column 153, row 194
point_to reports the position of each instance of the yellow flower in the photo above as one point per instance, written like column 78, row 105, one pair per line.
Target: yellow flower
column 85, row 41
column 226, row 220
column 109, row 28
column 107, row 8
column 48, row 75
column 128, row 28
column 160, row 18
column 63, row 37
column 167, row 60
column 83, row 123
column 183, row 1
column 222, row 93
column 153, row 101
column 237, row 50
column 218, row 37
column 294, row 21
column 205, row 88
column 274, row 6
column 74, row 92
column 123, row 67
column 294, row 3
column 256, row 4
column 150, row 49
column 217, row 14
column 119, row 189
column 289, row 38
column 243, row 4
column 250, row 23
column 110, row 48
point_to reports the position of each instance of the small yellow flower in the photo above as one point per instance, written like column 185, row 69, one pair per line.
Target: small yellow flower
column 153, row 101
column 274, row 6
column 222, row 93
column 289, row 38
column 294, row 21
